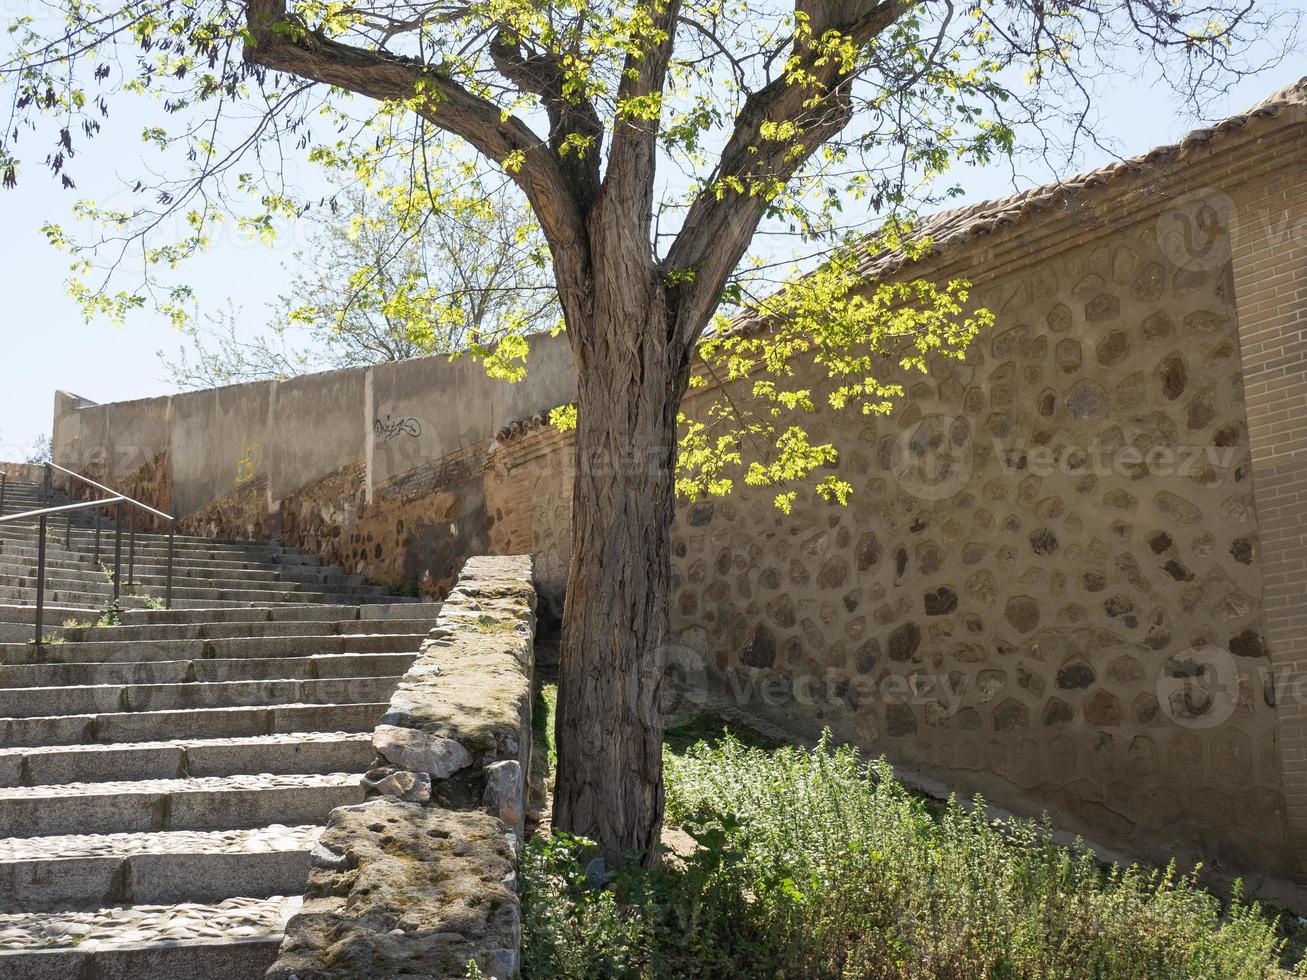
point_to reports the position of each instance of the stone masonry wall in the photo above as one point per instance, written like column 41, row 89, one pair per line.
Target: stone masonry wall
column 1046, row 545
column 420, row 879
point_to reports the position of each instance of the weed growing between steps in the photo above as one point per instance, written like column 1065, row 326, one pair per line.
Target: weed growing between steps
column 802, row 863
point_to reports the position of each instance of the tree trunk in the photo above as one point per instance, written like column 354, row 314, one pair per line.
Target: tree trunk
column 615, row 623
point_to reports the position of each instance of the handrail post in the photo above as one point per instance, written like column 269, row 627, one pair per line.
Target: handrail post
column 68, row 531
column 49, row 480
column 172, row 534
column 131, row 553
column 4, row 478
column 117, row 549
column 40, row 581
column 96, row 559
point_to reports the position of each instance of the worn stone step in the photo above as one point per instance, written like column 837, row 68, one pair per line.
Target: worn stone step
column 198, row 803
column 237, row 940
column 394, row 607
column 214, row 588
column 75, row 569
column 201, row 629
column 26, row 550
column 93, row 870
column 313, row 666
column 140, row 726
column 219, row 600
column 293, row 752
column 222, row 648
column 43, row 702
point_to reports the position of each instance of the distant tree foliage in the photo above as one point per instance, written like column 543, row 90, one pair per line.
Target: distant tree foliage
column 373, row 288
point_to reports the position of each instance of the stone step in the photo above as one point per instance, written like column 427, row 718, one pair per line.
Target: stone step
column 222, row 648
column 295, row 752
column 203, row 723
column 151, row 545
column 253, row 628
column 197, row 803
column 395, row 607
column 56, row 593
column 197, row 586
column 313, row 666
column 236, row 939
column 44, row 702
column 26, row 565
column 27, row 549
column 50, row 874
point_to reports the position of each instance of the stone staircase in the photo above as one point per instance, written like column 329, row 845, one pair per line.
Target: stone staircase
column 163, row 781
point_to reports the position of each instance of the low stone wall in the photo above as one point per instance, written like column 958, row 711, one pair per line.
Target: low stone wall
column 421, row 879
column 24, row 472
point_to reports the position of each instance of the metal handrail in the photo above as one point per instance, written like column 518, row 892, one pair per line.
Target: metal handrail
column 100, row 486
column 117, row 500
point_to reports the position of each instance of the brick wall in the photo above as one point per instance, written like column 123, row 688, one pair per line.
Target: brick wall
column 1269, row 241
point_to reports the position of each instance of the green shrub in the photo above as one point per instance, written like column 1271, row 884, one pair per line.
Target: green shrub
column 812, row 864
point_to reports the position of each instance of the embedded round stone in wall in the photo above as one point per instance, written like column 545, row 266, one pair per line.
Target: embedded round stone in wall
column 941, row 601
column 1103, row 709
column 1238, row 508
column 1068, row 355
column 903, row 641
column 899, row 720
column 1125, row 670
column 1247, row 644
column 930, row 558
column 1117, row 606
column 1087, row 400
column 1059, row 318
column 1241, row 550
column 1102, row 307
column 700, row 514
column 1022, row 612
column 1150, row 282
column 1177, row 508
column 1145, row 710
column 973, row 551
column 770, row 578
column 1075, row 675
column 864, row 659
column 1201, row 410
column 1159, row 541
column 981, row 587
column 1043, row 542
column 1158, row 326
column 1047, row 402
column 759, row 649
column 1057, row 712
column 833, row 574
column 1113, row 349
column 1011, row 714
column 1120, row 500
column 1177, row 571
column 1093, row 581
column 781, row 610
column 868, row 551
column 1230, row 434
column 1205, row 321
column 1028, row 680
column 1172, row 376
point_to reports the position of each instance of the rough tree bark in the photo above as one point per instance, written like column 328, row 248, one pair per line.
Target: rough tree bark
column 632, row 373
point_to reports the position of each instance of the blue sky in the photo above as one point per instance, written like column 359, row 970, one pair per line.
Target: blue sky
column 47, row 346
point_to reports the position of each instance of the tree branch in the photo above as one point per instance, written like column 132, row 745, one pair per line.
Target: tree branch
column 718, row 227
column 542, row 76
column 282, row 43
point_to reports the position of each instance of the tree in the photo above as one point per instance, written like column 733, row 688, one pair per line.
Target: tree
column 653, row 140
column 376, row 286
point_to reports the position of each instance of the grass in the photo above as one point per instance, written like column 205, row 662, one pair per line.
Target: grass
column 815, row 864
